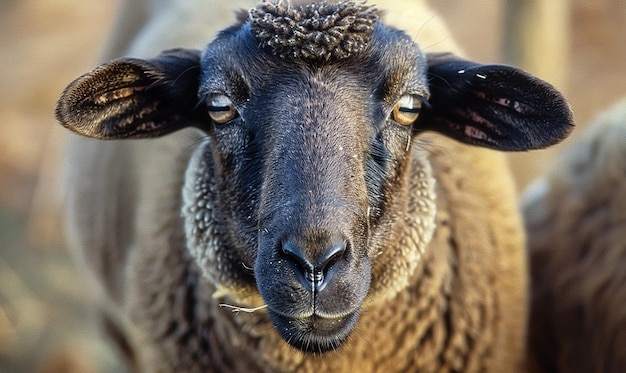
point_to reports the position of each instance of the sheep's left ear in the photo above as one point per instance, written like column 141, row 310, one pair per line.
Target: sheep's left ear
column 493, row 106
column 134, row 98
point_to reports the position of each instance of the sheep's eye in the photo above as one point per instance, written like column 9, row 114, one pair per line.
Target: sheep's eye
column 221, row 109
column 407, row 109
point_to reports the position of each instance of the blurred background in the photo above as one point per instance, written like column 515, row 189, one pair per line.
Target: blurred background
column 578, row 45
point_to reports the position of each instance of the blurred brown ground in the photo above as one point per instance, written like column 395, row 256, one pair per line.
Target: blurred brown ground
column 44, row 315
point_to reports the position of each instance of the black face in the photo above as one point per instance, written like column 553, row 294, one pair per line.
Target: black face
column 307, row 155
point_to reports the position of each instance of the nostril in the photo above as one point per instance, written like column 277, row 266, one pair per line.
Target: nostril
column 294, row 254
column 312, row 267
column 335, row 253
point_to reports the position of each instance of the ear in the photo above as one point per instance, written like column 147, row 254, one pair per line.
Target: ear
column 134, row 98
column 494, row 106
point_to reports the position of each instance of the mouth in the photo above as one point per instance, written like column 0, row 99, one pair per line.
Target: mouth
column 314, row 334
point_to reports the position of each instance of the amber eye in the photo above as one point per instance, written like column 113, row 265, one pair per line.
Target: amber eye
column 407, row 109
column 221, row 109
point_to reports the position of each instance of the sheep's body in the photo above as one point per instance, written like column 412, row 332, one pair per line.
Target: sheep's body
column 461, row 310
column 460, row 313
column 576, row 224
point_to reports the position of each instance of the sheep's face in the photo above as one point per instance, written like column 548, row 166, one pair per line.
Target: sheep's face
column 310, row 157
column 307, row 179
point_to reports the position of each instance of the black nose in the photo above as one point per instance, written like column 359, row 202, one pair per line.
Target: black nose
column 313, row 267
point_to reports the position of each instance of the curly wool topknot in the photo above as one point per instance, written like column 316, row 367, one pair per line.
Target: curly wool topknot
column 319, row 31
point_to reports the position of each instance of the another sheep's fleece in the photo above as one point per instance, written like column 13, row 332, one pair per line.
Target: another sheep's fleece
column 576, row 224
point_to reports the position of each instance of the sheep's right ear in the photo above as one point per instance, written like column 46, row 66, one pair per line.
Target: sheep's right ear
column 134, row 98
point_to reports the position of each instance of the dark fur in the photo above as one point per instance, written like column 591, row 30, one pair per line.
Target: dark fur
column 318, row 31
column 322, row 199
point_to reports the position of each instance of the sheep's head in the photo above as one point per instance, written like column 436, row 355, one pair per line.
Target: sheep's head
column 308, row 178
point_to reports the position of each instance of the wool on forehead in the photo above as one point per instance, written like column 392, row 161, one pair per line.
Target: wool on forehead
column 318, row 31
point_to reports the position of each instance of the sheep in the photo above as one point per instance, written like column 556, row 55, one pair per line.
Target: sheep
column 575, row 217
column 314, row 171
